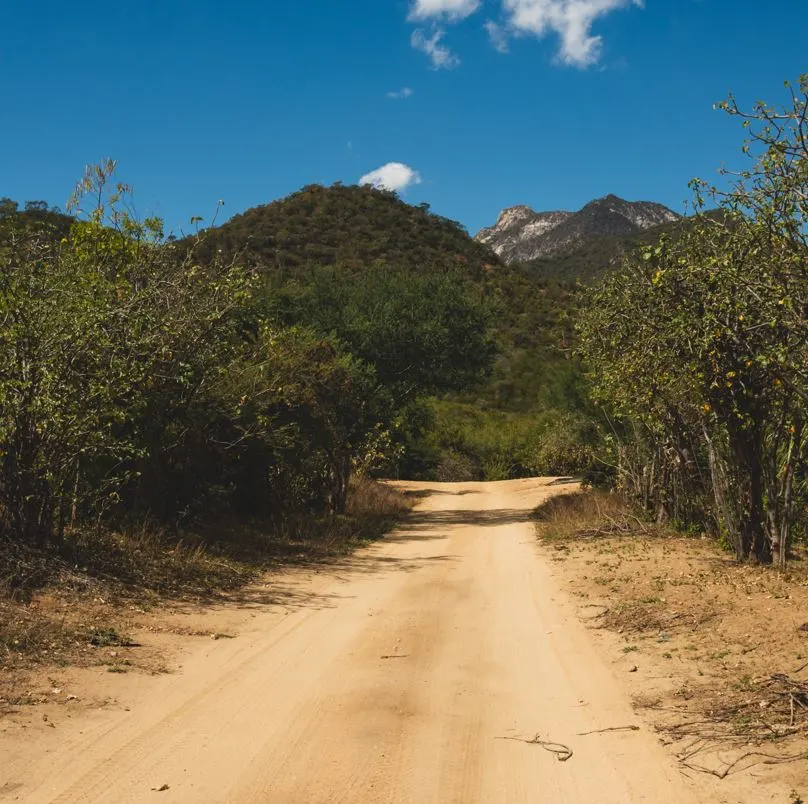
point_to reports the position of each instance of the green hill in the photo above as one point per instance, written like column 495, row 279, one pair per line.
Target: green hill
column 353, row 227
column 319, row 245
column 593, row 259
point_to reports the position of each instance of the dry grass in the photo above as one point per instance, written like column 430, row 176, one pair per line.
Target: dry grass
column 370, row 498
column 85, row 602
column 57, row 608
column 591, row 514
column 373, row 509
column 718, row 652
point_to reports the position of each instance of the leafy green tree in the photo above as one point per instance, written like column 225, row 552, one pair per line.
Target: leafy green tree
column 702, row 342
column 421, row 333
column 96, row 325
column 36, row 207
column 8, row 208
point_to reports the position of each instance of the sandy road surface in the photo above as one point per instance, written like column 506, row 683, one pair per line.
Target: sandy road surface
column 391, row 678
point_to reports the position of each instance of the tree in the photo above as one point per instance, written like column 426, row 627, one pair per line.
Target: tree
column 422, row 334
column 36, row 207
column 8, row 208
column 703, row 342
column 677, row 345
column 96, row 327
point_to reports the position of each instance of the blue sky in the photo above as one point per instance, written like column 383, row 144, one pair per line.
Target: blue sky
column 544, row 102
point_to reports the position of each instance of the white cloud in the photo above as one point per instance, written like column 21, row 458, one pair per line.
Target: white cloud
column 401, row 94
column 448, row 9
column 497, row 35
column 440, row 55
column 572, row 20
column 392, row 176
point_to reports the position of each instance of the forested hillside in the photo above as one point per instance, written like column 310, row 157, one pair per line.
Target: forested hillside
column 33, row 213
column 351, row 233
column 353, row 227
column 332, row 256
column 473, row 357
column 596, row 257
column 423, row 307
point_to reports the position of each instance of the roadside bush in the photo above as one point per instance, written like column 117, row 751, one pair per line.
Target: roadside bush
column 455, row 467
column 463, row 442
column 566, row 445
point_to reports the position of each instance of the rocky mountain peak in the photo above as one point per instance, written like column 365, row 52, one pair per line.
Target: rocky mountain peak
column 521, row 234
column 514, row 216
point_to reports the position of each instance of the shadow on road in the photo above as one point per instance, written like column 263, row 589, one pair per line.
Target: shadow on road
column 420, row 493
column 489, row 518
column 277, row 591
column 283, row 590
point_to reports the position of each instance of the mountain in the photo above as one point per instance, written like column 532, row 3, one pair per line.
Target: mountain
column 349, row 227
column 518, row 229
column 522, row 235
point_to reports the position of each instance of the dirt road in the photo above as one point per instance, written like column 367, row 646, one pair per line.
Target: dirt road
column 405, row 674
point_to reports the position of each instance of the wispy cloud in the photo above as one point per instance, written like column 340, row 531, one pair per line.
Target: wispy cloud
column 497, row 35
column 443, row 9
column 441, row 56
column 392, row 176
column 400, row 94
column 571, row 20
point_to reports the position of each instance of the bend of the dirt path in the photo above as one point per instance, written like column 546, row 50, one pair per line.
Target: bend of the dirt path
column 416, row 671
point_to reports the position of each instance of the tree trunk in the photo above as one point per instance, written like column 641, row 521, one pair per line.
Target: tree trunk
column 787, row 511
column 751, row 454
column 344, row 479
column 726, row 518
column 340, row 478
column 74, row 504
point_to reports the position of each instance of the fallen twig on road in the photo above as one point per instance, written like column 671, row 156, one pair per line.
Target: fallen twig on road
column 562, row 752
column 609, row 728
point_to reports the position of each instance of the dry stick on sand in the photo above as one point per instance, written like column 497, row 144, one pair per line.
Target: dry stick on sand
column 709, row 733
column 561, row 751
column 609, row 728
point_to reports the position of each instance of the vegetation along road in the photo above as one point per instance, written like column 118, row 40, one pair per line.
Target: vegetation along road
column 427, row 668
